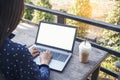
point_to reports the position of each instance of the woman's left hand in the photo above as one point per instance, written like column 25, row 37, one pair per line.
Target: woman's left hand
column 34, row 52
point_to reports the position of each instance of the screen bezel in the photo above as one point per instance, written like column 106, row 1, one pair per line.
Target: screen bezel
column 53, row 46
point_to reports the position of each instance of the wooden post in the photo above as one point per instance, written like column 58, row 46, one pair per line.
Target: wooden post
column 95, row 74
column 61, row 19
column 119, row 77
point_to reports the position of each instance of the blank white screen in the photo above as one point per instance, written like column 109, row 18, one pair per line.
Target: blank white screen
column 56, row 36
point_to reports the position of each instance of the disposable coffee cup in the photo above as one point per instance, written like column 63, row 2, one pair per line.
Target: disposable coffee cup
column 84, row 51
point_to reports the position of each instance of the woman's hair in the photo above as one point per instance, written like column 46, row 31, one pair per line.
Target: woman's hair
column 10, row 15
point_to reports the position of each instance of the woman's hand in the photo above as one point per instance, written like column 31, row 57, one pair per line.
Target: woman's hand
column 45, row 57
column 34, row 52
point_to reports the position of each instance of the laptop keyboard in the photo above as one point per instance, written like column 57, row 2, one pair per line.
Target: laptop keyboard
column 57, row 56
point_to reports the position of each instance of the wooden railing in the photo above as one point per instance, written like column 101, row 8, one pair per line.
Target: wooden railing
column 62, row 15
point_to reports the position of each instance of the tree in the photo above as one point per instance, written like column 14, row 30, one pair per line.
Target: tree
column 81, row 8
column 38, row 16
column 112, row 38
column 28, row 11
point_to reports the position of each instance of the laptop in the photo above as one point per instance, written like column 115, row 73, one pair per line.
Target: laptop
column 57, row 38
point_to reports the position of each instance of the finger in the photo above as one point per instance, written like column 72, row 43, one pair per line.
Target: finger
column 35, row 51
column 34, row 48
column 36, row 54
column 42, row 53
column 47, row 51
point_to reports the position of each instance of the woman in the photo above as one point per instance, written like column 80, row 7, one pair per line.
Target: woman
column 16, row 62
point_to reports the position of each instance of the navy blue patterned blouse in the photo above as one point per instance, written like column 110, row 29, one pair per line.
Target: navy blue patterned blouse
column 16, row 63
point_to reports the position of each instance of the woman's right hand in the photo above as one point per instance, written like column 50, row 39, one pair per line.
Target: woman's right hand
column 45, row 57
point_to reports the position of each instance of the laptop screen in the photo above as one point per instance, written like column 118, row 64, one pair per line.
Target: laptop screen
column 54, row 35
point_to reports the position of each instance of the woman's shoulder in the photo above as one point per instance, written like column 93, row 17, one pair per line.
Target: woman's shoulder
column 11, row 47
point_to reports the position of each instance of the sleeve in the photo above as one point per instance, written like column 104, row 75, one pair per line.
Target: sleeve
column 11, row 36
column 44, row 69
column 29, row 70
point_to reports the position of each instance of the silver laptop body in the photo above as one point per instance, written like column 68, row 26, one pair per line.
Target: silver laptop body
column 57, row 38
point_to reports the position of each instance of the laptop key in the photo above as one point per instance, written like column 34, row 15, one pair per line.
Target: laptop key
column 57, row 56
column 54, row 55
column 62, row 57
column 41, row 50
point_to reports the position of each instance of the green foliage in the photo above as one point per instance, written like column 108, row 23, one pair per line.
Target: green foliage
column 114, row 16
column 81, row 8
column 28, row 11
column 38, row 16
column 109, row 63
column 111, row 39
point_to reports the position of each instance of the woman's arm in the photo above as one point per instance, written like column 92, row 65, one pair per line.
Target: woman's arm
column 27, row 69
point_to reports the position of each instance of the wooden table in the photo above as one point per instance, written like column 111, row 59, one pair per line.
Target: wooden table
column 75, row 70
